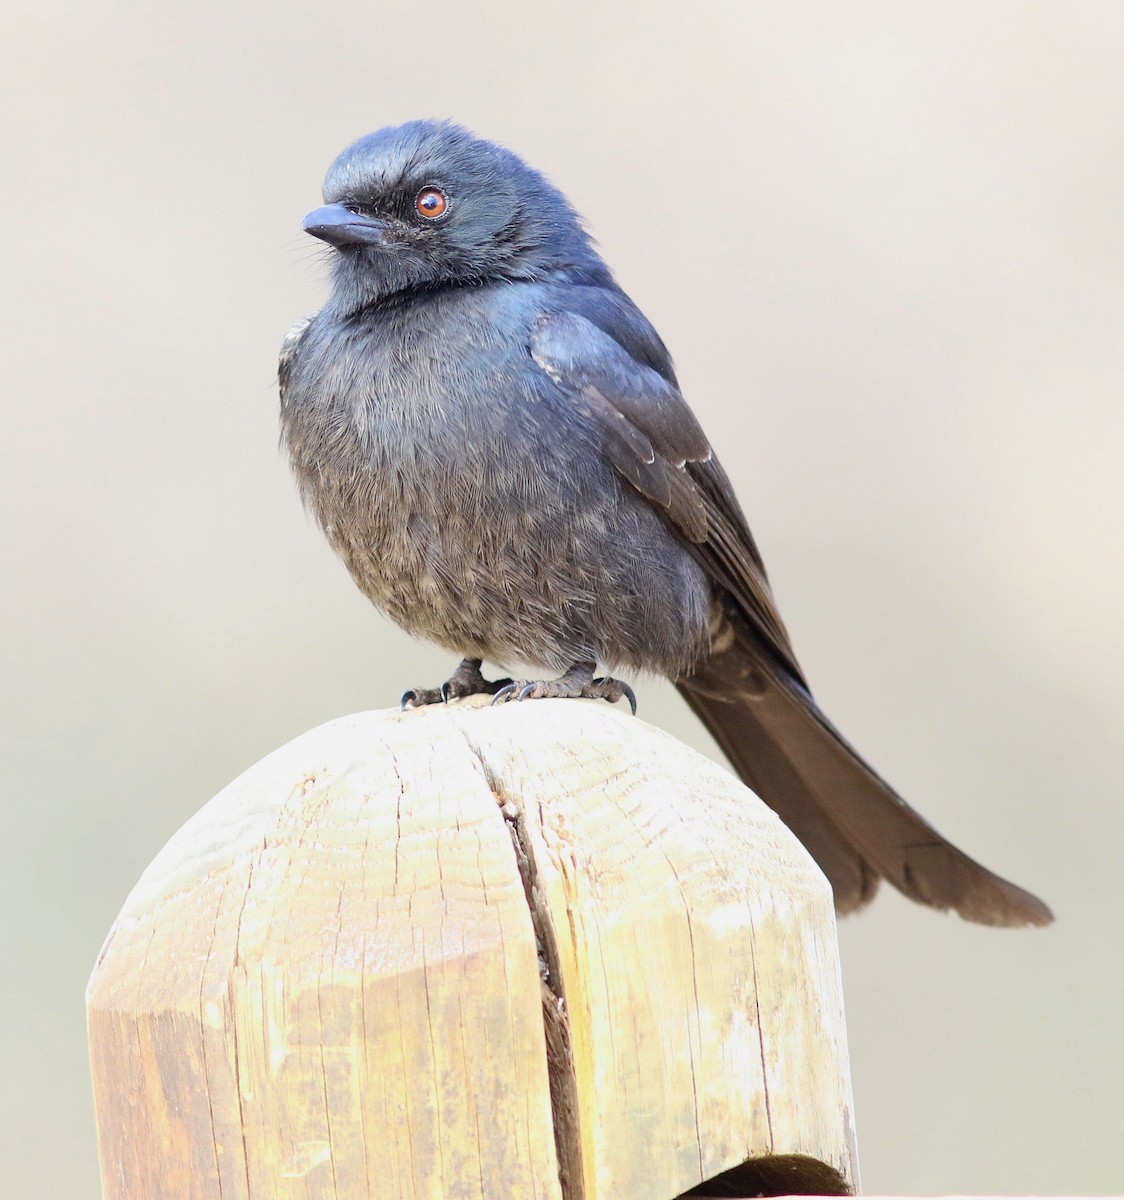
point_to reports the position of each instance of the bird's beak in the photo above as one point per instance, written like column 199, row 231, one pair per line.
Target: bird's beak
column 339, row 226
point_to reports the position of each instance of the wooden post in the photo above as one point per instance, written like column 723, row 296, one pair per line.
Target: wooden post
column 540, row 951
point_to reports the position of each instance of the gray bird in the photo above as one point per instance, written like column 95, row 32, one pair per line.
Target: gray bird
column 491, row 436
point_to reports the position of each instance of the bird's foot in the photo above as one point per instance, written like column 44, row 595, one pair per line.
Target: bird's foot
column 577, row 682
column 466, row 680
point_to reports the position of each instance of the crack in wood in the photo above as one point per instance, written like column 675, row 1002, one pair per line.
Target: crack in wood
column 561, row 1069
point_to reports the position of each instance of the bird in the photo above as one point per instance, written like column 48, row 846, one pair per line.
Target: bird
column 492, row 437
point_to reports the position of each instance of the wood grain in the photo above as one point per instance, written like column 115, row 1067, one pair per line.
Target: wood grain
column 436, row 954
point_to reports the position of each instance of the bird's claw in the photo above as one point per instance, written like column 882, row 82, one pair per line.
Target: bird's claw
column 622, row 690
column 466, row 680
column 504, row 693
column 603, row 688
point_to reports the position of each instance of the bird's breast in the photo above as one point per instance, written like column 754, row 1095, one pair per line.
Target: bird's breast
column 435, row 475
column 470, row 504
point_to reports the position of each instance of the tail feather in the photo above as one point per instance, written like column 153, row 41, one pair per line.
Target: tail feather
column 856, row 827
column 772, row 777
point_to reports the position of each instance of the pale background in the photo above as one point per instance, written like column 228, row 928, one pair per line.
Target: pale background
column 885, row 242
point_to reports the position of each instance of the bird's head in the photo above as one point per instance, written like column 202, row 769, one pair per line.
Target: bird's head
column 428, row 205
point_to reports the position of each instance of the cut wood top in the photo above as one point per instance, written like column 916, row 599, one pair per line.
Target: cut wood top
column 539, row 949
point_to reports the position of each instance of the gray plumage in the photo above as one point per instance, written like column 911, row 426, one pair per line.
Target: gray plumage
column 491, row 436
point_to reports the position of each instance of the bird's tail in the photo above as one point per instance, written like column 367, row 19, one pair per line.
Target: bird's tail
column 852, row 822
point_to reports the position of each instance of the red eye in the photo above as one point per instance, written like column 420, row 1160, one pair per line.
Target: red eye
column 431, row 203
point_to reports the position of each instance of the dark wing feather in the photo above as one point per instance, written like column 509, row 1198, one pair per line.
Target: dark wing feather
column 646, row 430
column 290, row 348
column 654, row 440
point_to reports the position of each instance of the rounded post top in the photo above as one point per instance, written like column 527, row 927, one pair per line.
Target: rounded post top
column 541, row 946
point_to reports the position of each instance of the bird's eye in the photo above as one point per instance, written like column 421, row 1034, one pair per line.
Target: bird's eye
column 431, row 203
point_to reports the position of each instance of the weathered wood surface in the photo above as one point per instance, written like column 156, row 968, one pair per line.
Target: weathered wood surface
column 341, row 977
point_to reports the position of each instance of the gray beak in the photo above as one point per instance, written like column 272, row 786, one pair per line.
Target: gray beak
column 339, row 226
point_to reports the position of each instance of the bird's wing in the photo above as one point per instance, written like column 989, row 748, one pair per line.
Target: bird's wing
column 290, row 348
column 652, row 438
column 749, row 691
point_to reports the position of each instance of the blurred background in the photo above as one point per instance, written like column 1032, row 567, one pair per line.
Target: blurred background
column 885, row 242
